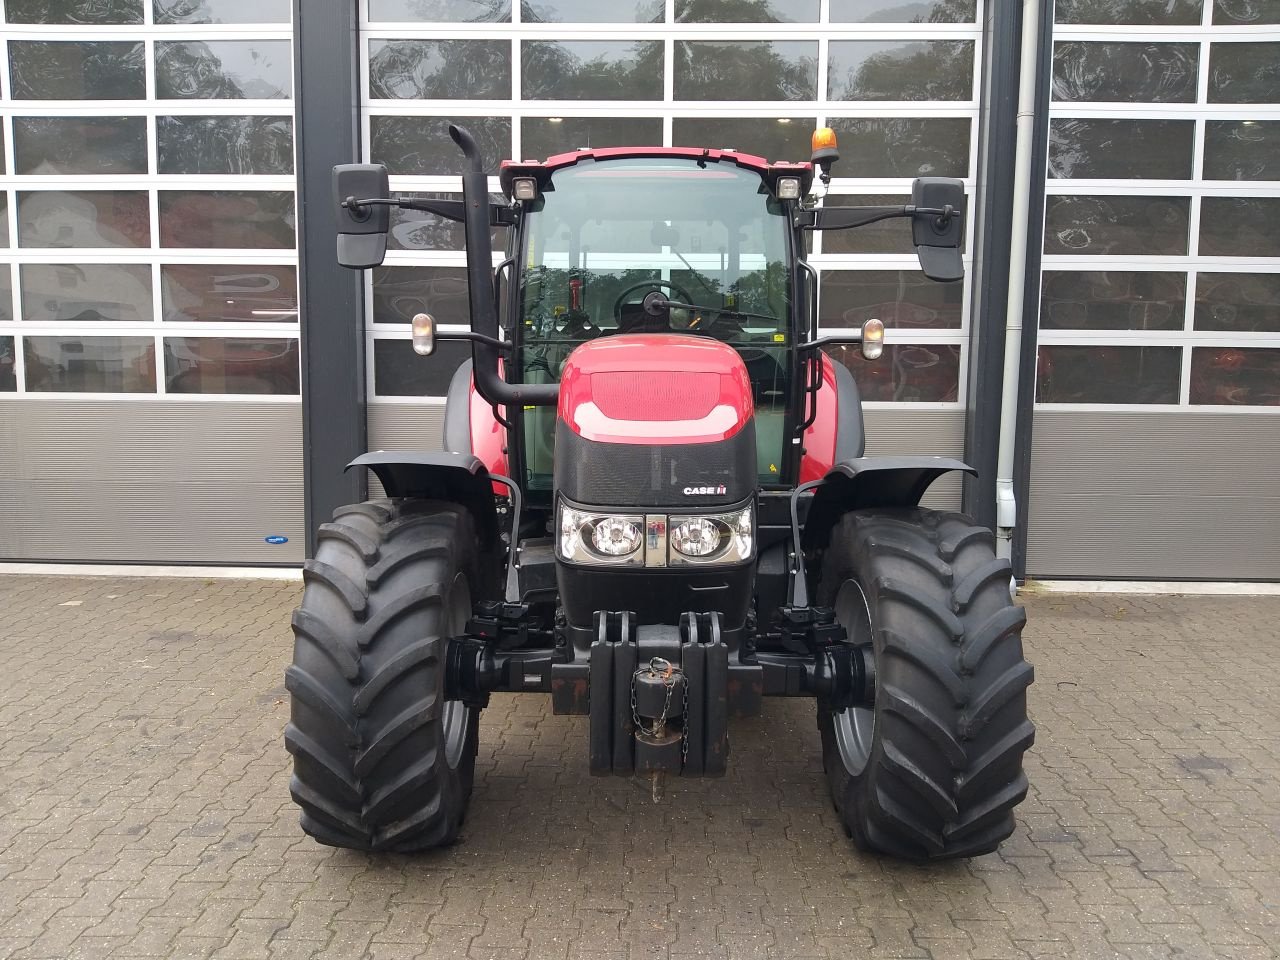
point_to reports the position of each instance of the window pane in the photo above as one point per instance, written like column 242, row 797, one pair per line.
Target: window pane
column 399, row 372
column 4, row 218
column 1137, row 12
column 228, row 293
column 1125, row 72
column 1098, row 374
column 1236, row 375
column 1238, row 302
column 593, row 11
column 80, row 145
column 8, row 366
column 86, row 292
column 219, row 365
column 903, row 299
column 74, row 70
column 418, row 230
column 401, row 292
column 1242, row 150
column 239, row 219
column 6, row 295
column 421, row 145
column 90, row 364
column 543, row 137
column 885, row 236
column 223, row 70
column 1116, row 225
column 1121, row 149
column 222, row 11
column 449, row 11
column 769, row 137
column 906, row 372
column 1240, row 227
column 903, row 11
column 746, row 70
column 1244, row 72
column 591, row 70
column 746, row 11
column 73, row 11
column 258, row 146
column 901, row 70
column 440, row 69
column 1245, row 12
column 84, row 218
column 902, row 146
column 1112, row 300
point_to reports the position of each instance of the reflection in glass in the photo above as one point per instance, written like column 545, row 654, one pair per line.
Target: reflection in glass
column 1108, row 374
column 90, row 364
column 900, row 70
column 746, row 11
column 1244, row 72
column 257, row 146
column 233, row 219
column 592, row 11
column 1237, row 376
column 785, row 138
column 223, row 70
column 903, row 11
column 401, row 292
column 1112, row 300
column 1121, row 226
column 399, row 372
column 81, row 12
column 419, row 230
column 591, row 70
column 80, row 145
column 887, row 236
column 905, row 372
column 1125, row 72
column 421, row 145
column 746, row 70
column 1097, row 149
column 1245, row 12
column 902, row 299
column 1240, row 227
column 221, row 365
column 222, row 11
column 86, row 292
column 4, row 218
column 84, row 218
column 1238, row 302
column 6, row 296
column 228, row 293
column 542, row 137
column 902, row 146
column 440, row 69
column 1242, row 150
column 449, row 11
column 8, row 366
column 77, row 70
column 1185, row 13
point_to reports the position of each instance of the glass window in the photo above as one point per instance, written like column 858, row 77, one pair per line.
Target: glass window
column 1240, row 227
column 905, row 372
column 228, row 293
column 1246, row 12
column 80, row 145
column 399, row 372
column 1238, row 302
column 1236, row 375
column 746, row 70
column 82, row 364
column 401, row 292
column 1142, row 13
column 1242, row 150
column 8, row 366
column 900, row 70
column 419, row 230
column 591, row 70
column 1108, row 374
column 84, row 218
column 235, row 219
column 448, row 11
column 1244, row 72
column 902, row 299
column 1112, row 300
column 902, row 146
column 86, row 292
column 1121, row 149
column 219, row 365
column 903, row 11
column 81, row 12
column 222, row 11
column 254, row 146
column 542, row 137
column 1135, row 72
column 6, row 295
column 440, row 69
column 1116, row 226
column 4, row 218
column 223, row 70
column 421, row 145
column 777, row 138
column 746, row 11
column 592, row 11
column 77, row 70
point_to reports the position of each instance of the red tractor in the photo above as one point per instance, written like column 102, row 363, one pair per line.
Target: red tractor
column 653, row 505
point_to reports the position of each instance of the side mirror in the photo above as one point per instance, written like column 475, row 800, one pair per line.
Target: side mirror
column 362, row 228
column 938, row 237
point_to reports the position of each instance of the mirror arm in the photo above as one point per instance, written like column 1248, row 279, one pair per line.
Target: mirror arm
column 504, row 345
column 843, row 218
column 833, row 340
column 449, row 209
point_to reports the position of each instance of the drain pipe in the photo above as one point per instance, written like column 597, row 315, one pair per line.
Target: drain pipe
column 1028, row 75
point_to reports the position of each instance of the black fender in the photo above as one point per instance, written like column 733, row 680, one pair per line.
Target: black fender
column 454, row 477
column 870, row 482
column 457, row 411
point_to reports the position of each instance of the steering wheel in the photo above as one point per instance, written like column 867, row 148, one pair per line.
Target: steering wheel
column 680, row 291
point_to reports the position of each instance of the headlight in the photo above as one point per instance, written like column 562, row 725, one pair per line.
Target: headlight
column 599, row 538
column 616, row 536
column 712, row 538
column 696, row 537
column 653, row 540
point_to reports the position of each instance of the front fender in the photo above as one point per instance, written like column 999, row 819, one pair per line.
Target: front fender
column 454, row 477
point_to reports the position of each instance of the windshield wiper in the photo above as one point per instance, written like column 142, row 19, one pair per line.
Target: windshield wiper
column 655, row 302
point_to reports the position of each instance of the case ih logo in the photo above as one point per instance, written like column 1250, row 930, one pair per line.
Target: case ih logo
column 706, row 491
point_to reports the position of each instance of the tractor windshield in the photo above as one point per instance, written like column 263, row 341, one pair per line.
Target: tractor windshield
column 604, row 234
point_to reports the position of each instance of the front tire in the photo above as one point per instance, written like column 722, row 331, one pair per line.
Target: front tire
column 382, row 762
column 933, row 770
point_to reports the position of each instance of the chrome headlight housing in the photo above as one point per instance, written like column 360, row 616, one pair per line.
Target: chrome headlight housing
column 601, row 538
column 711, row 537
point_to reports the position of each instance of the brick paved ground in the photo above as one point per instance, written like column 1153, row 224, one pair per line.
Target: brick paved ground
column 144, row 808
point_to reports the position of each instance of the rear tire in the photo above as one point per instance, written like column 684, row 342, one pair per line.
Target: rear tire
column 382, row 762
column 934, row 769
